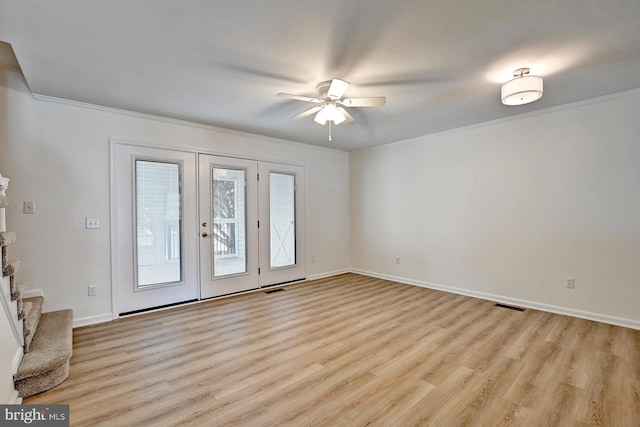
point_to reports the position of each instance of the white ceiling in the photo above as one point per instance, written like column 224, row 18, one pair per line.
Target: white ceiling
column 439, row 63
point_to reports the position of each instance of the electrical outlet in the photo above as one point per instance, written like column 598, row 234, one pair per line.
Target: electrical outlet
column 91, row 290
column 397, row 260
column 92, row 222
column 571, row 282
column 313, row 258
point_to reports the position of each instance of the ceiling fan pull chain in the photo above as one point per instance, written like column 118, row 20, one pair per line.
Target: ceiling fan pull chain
column 330, row 131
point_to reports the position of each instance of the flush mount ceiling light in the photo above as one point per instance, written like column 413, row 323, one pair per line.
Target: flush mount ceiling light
column 523, row 89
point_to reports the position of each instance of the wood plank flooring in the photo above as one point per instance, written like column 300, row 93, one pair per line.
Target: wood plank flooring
column 351, row 351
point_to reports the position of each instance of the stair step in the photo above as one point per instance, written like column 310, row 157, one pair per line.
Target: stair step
column 31, row 320
column 23, row 309
column 18, row 291
column 7, row 238
column 12, row 268
column 47, row 364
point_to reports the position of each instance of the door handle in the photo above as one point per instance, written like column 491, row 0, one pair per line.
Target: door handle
column 205, row 234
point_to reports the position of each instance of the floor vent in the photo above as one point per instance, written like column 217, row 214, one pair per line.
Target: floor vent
column 274, row 290
column 510, row 307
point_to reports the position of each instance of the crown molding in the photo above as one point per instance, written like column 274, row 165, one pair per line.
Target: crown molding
column 178, row 122
column 543, row 111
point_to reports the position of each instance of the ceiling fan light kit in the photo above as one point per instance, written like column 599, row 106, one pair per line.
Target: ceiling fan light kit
column 331, row 104
column 523, row 89
column 330, row 112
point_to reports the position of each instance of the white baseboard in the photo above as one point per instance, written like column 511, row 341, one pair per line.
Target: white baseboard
column 328, row 274
column 91, row 320
column 613, row 320
column 603, row 318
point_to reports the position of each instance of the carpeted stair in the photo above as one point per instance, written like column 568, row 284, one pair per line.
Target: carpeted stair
column 47, row 363
column 48, row 337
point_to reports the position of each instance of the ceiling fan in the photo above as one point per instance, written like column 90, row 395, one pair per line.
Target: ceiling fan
column 331, row 105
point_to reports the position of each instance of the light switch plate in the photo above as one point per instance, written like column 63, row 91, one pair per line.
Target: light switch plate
column 29, row 207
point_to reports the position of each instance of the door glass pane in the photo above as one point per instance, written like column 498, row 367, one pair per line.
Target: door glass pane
column 158, row 232
column 282, row 219
column 229, row 235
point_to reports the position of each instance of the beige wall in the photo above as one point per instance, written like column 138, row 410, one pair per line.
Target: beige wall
column 57, row 154
column 509, row 210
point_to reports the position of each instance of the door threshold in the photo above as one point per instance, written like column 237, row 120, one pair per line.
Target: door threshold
column 288, row 282
column 158, row 308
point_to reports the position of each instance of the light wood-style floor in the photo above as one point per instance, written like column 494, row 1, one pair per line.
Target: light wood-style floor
column 352, row 351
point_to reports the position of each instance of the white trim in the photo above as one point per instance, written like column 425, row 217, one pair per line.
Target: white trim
column 329, row 274
column 612, row 320
column 113, row 227
column 181, row 122
column 173, row 121
column 17, row 359
column 306, row 221
column 603, row 318
column 201, row 150
column 92, row 320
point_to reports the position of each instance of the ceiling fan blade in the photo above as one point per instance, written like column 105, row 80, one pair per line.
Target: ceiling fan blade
column 373, row 101
column 299, row 98
column 337, row 88
column 349, row 118
column 309, row 112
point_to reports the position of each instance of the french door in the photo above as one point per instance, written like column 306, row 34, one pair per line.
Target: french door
column 154, row 241
column 228, row 225
column 282, row 223
column 188, row 226
column 251, row 224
